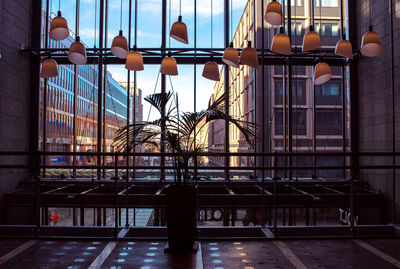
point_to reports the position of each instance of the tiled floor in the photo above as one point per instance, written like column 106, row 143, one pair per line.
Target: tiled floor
column 318, row 254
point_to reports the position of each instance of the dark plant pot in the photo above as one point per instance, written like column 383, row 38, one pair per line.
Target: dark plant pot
column 180, row 202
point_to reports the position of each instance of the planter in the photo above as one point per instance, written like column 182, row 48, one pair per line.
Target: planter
column 180, row 202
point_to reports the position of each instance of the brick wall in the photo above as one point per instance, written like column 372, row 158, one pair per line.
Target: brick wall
column 15, row 28
column 375, row 96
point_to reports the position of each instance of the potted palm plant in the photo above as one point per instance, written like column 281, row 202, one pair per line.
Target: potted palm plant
column 176, row 133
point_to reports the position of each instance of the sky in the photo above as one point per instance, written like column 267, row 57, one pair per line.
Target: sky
column 149, row 36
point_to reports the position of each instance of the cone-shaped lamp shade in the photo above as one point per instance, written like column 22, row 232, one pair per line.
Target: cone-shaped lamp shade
column 249, row 56
column 322, row 73
column 231, row 56
column 281, row 43
column 77, row 52
column 169, row 66
column 311, row 40
column 211, row 71
column 119, row 47
column 179, row 31
column 273, row 14
column 134, row 61
column 371, row 44
column 344, row 48
column 49, row 69
column 59, row 28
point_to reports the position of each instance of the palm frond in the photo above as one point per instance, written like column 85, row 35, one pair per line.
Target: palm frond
column 159, row 100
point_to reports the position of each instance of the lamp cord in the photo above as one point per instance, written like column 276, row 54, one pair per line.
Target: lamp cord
column 320, row 17
column 231, row 20
column 120, row 19
column 59, row 5
column 180, row 8
column 370, row 12
column 211, row 23
column 95, row 23
column 169, row 24
column 135, row 24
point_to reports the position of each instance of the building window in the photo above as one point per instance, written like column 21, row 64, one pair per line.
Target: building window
column 328, row 122
column 329, row 93
column 298, row 91
column 326, row 3
column 299, row 122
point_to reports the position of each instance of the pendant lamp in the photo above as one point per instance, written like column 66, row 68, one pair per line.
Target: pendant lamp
column 344, row 48
column 371, row 43
column 49, row 69
column 119, row 47
column 77, row 52
column 273, row 14
column 231, row 56
column 249, row 56
column 134, row 61
column 281, row 43
column 169, row 66
column 59, row 28
column 311, row 40
column 322, row 73
column 211, row 71
column 179, row 31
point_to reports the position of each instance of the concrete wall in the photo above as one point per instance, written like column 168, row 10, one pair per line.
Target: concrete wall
column 375, row 96
column 15, row 71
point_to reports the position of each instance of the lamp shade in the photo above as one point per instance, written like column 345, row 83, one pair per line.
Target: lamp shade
column 322, row 73
column 249, row 56
column 211, row 71
column 119, row 47
column 179, row 31
column 169, row 66
column 59, row 28
column 231, row 56
column 311, row 40
column 281, row 43
column 273, row 14
column 371, row 43
column 344, row 48
column 77, row 52
column 49, row 69
column 134, row 61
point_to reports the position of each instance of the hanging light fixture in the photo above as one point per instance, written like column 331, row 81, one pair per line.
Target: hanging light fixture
column 322, row 73
column 344, row 48
column 58, row 28
column 77, row 52
column 211, row 70
column 371, row 45
column 119, row 47
column 49, row 68
column 249, row 56
column 169, row 66
column 179, row 30
column 231, row 56
column 134, row 61
column 281, row 43
column 273, row 14
column 311, row 40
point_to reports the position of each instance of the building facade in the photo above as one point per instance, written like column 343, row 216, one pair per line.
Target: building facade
column 259, row 96
column 60, row 109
